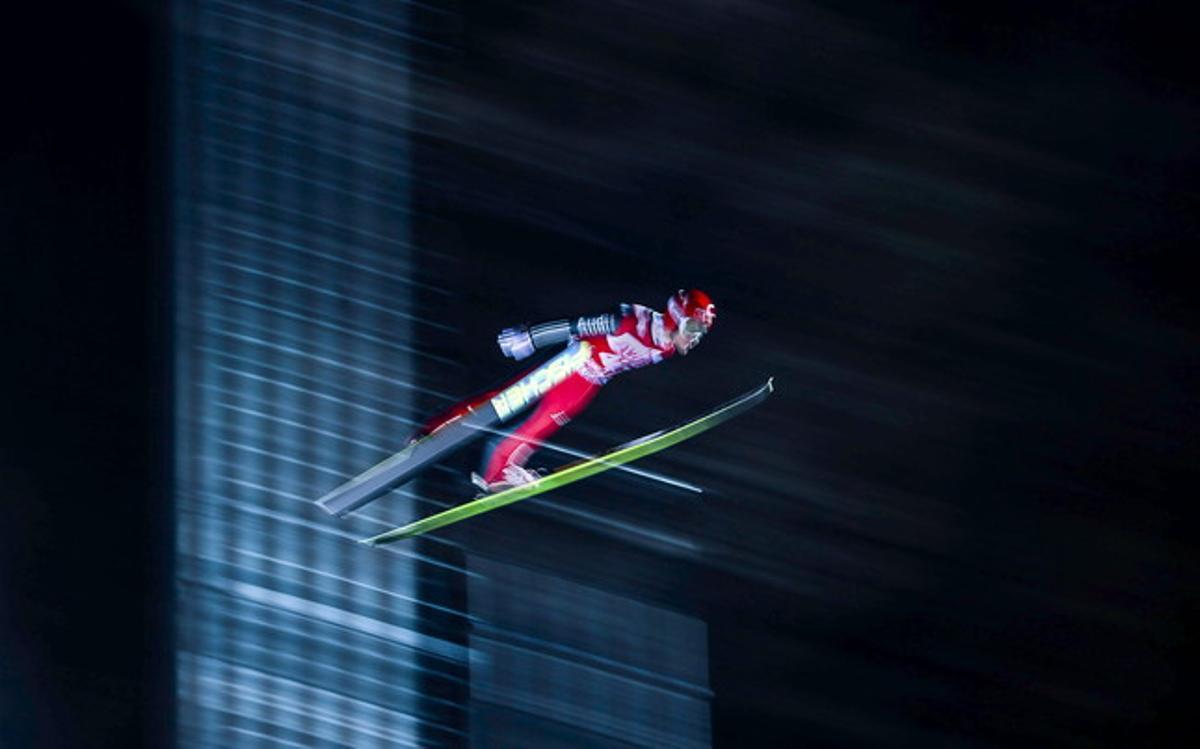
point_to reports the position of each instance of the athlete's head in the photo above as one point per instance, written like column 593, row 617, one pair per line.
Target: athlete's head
column 690, row 315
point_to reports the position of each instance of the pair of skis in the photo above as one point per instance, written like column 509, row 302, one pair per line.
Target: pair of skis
column 405, row 464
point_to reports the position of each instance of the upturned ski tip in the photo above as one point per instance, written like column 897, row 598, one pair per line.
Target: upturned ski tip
column 771, row 384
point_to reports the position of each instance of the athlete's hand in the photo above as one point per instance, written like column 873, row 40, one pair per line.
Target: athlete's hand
column 516, row 343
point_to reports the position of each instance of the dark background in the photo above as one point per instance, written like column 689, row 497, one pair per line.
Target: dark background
column 84, row 616
column 959, row 240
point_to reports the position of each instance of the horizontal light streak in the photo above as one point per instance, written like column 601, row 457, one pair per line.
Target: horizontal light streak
column 323, row 395
column 398, row 99
column 362, row 267
column 338, row 295
column 328, row 715
column 312, row 356
column 260, row 636
column 308, row 217
column 345, row 45
column 361, row 21
column 353, row 583
column 220, row 149
column 321, row 527
column 351, row 620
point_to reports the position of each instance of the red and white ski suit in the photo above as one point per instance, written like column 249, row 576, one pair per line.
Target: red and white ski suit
column 640, row 339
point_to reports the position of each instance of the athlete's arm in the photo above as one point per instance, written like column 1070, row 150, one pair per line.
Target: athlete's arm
column 522, row 340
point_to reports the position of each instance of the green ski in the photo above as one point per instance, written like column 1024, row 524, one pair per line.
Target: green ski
column 581, row 469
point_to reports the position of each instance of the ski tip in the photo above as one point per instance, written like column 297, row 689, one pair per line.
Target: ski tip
column 368, row 541
column 771, row 384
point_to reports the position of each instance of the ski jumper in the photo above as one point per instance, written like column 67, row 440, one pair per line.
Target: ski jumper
column 640, row 338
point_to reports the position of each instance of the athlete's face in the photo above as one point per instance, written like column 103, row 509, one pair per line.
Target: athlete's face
column 687, row 336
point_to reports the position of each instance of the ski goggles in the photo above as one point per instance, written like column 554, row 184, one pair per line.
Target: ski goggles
column 691, row 331
column 693, row 328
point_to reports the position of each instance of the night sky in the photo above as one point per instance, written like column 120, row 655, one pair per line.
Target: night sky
column 957, row 239
column 83, row 615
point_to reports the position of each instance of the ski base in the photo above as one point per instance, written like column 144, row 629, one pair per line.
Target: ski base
column 580, row 469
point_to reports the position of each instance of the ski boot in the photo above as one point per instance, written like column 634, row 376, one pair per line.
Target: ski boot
column 514, row 476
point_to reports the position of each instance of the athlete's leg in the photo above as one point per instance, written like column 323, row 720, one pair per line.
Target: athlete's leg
column 561, row 404
column 462, row 408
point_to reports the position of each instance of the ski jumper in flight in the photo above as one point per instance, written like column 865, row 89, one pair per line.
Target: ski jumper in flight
column 632, row 337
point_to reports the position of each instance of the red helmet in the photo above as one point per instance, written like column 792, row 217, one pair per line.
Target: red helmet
column 694, row 305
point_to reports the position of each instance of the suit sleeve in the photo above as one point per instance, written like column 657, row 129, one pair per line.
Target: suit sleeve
column 561, row 331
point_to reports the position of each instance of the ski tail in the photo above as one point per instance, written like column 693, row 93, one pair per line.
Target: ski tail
column 406, row 464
